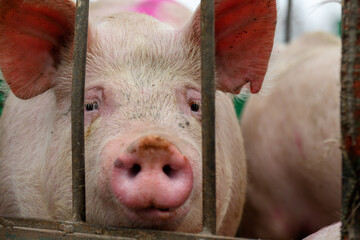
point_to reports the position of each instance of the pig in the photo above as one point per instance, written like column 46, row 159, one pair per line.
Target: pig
column 167, row 11
column 331, row 232
column 292, row 142
column 142, row 113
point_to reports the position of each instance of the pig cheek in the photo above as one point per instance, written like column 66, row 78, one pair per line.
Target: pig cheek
column 193, row 220
column 106, row 163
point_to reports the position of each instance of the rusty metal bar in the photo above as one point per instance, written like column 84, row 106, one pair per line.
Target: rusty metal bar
column 77, row 110
column 288, row 22
column 350, row 119
column 19, row 228
column 208, row 114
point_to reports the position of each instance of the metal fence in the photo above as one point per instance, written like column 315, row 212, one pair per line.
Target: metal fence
column 350, row 119
column 18, row 228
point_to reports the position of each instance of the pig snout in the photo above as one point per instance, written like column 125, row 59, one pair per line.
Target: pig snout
column 152, row 179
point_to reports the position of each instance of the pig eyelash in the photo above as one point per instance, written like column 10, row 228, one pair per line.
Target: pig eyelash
column 91, row 106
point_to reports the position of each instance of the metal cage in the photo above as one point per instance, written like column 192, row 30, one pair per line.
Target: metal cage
column 18, row 228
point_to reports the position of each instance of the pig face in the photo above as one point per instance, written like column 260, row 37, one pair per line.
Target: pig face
column 142, row 91
column 142, row 108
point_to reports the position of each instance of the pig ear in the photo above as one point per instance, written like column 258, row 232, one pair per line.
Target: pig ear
column 244, row 33
column 34, row 33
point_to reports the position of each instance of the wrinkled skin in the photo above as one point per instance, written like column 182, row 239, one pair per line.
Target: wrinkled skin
column 292, row 142
column 142, row 113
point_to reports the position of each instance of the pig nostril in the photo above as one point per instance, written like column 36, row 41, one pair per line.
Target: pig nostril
column 136, row 168
column 168, row 170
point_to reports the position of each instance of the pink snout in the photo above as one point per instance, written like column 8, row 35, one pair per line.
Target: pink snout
column 152, row 179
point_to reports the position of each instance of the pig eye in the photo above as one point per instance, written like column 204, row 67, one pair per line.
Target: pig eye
column 195, row 106
column 91, row 106
column 190, row 103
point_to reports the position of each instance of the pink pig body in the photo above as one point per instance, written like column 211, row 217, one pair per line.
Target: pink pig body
column 168, row 11
column 142, row 113
column 292, row 142
column 331, row 232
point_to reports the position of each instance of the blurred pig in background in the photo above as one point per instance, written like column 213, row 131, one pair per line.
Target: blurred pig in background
column 292, row 142
column 331, row 232
column 171, row 12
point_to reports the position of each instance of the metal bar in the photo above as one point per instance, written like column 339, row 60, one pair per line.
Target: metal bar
column 350, row 119
column 77, row 110
column 20, row 228
column 288, row 22
column 208, row 114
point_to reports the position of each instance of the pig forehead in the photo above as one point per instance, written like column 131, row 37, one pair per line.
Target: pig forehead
column 130, row 32
column 156, row 53
column 145, row 81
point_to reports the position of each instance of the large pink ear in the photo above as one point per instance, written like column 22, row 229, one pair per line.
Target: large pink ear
column 34, row 33
column 244, row 32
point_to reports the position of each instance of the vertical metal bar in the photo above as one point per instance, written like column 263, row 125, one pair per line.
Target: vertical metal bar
column 208, row 111
column 288, row 22
column 350, row 119
column 77, row 110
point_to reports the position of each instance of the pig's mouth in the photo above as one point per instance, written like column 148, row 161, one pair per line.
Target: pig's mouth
column 154, row 213
column 155, row 217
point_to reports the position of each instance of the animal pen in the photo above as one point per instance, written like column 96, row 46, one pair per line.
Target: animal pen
column 77, row 228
